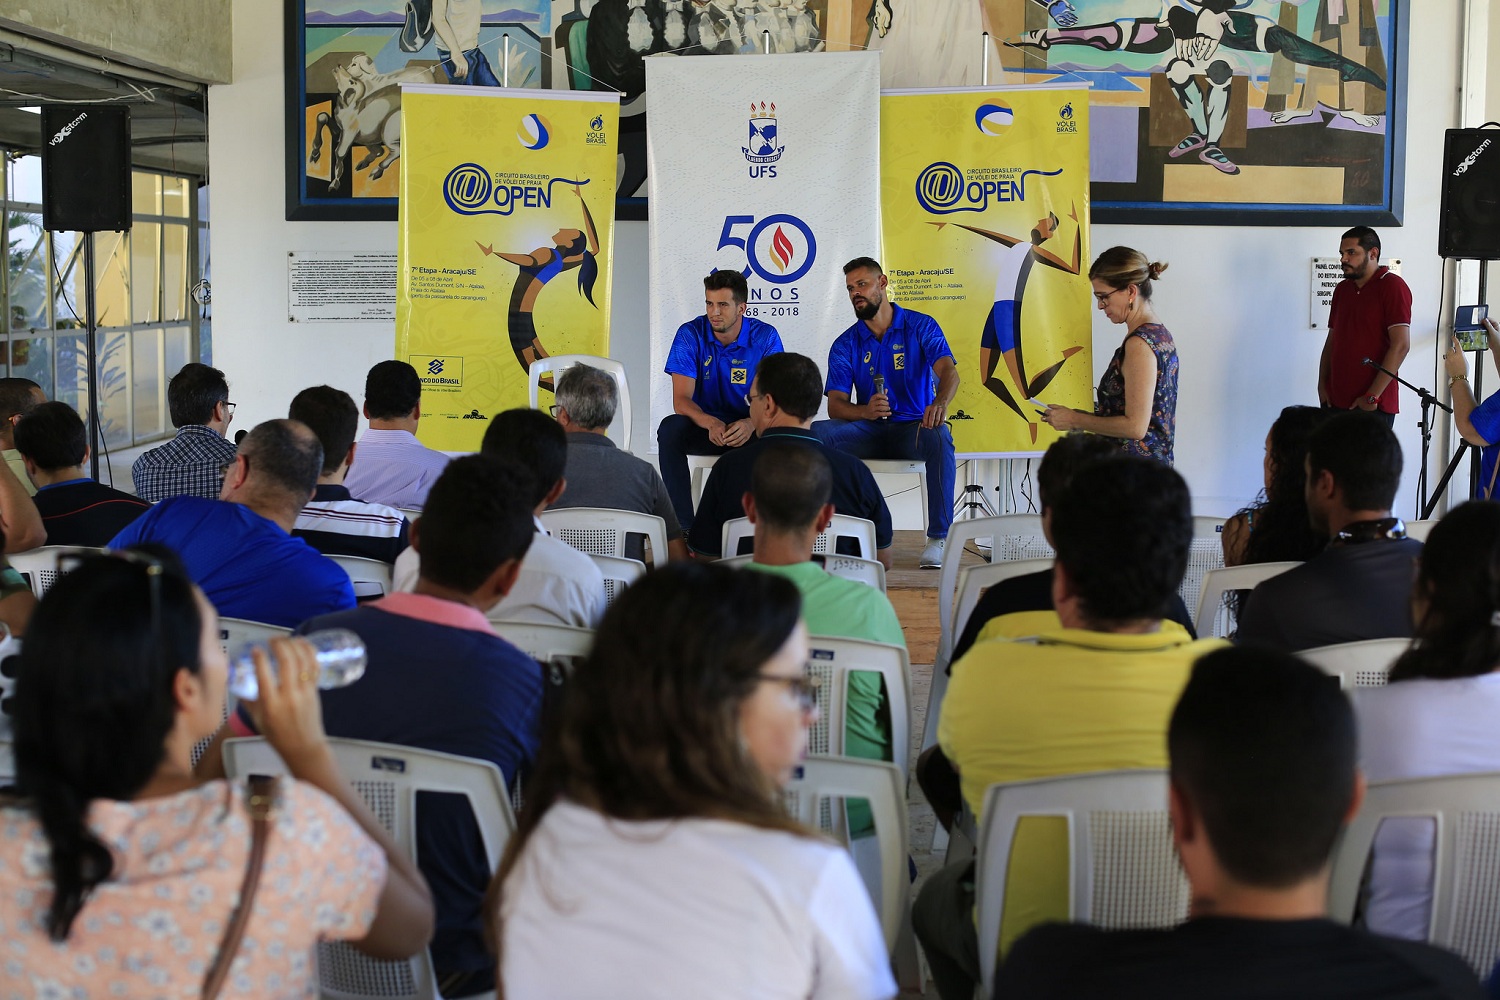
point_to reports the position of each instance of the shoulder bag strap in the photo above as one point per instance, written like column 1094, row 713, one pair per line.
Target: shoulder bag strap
column 262, row 798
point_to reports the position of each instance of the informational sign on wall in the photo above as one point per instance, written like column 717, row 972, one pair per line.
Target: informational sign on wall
column 338, row 287
column 1326, row 274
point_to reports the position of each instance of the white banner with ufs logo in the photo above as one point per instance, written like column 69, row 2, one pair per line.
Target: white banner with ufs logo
column 769, row 165
column 506, row 233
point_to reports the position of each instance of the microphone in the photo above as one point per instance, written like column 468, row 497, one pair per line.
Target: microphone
column 880, row 386
column 1367, row 362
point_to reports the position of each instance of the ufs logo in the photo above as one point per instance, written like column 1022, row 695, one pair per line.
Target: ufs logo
column 764, row 147
column 595, row 135
column 535, row 132
column 435, row 366
column 994, row 119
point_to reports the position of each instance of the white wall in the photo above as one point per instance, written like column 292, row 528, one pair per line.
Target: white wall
column 1235, row 299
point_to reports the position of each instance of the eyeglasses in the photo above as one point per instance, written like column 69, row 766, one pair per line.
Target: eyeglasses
column 224, row 469
column 804, row 689
column 554, row 409
column 751, row 397
column 1101, row 299
column 228, row 408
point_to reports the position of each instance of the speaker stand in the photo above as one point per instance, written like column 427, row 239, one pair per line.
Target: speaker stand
column 91, row 353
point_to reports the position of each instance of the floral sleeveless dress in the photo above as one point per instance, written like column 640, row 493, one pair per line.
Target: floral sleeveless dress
column 1157, row 443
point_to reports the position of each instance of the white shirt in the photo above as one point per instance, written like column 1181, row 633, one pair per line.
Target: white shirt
column 1420, row 729
column 393, row 468
column 599, row 907
column 558, row 585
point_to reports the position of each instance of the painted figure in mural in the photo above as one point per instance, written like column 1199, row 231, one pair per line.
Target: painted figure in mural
column 570, row 248
column 1002, row 325
column 367, row 113
column 1193, row 32
column 457, row 25
column 1350, row 30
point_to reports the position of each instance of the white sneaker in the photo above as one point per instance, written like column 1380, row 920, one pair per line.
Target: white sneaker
column 932, row 556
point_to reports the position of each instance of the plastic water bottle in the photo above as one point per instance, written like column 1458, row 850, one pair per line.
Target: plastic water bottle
column 341, row 660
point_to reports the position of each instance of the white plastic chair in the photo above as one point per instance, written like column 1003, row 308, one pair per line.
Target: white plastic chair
column 1465, row 913
column 699, row 466
column 1014, row 536
column 830, row 659
column 39, row 566
column 1358, row 664
column 866, row 571
column 371, row 577
column 903, row 467
column 618, row 574
column 842, row 526
column 1224, row 580
column 605, row 531
column 559, row 363
column 1124, row 870
column 972, row 582
column 1420, row 529
column 820, row 779
column 1206, row 553
column 546, row 643
column 388, row 778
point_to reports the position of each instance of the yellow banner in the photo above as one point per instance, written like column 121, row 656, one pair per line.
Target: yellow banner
column 506, row 240
column 985, row 208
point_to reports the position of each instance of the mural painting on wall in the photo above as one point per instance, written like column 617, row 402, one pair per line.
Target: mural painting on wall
column 345, row 62
column 1250, row 112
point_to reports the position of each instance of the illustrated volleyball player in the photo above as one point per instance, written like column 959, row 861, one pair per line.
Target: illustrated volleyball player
column 571, row 248
column 1002, row 326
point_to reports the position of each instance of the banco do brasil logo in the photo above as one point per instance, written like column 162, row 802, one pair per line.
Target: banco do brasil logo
column 435, row 366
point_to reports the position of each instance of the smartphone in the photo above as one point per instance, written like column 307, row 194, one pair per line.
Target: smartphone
column 1468, row 327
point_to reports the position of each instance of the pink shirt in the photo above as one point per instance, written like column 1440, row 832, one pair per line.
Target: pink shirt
column 153, row 928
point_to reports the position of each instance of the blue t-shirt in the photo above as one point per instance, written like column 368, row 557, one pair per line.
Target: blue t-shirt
column 1486, row 421
column 723, row 374
column 905, row 356
column 247, row 566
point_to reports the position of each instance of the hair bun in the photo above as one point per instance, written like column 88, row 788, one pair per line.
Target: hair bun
column 1155, row 268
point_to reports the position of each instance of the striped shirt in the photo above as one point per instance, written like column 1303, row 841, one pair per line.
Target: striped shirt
column 336, row 524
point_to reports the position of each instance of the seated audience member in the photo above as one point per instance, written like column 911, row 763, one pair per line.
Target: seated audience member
column 784, row 397
column 439, row 678
column 1437, row 716
column 1356, row 588
column 1478, row 423
column 788, row 504
column 239, row 549
column 1094, row 695
column 119, row 869
column 74, row 509
column 598, row 473
column 1275, row 527
column 18, row 397
column 394, row 467
column 1263, row 778
column 558, row 584
column 20, row 521
column 1022, row 605
column 669, row 756
column 192, row 463
column 333, row 522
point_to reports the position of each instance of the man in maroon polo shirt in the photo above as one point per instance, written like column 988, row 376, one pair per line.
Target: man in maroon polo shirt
column 1370, row 318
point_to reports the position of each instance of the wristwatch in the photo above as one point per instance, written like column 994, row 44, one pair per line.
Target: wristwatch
column 1373, row 400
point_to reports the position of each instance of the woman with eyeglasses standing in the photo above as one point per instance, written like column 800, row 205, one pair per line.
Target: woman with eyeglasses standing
column 1138, row 391
column 119, row 870
column 654, row 857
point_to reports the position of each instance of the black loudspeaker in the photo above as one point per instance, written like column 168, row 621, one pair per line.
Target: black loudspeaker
column 86, row 168
column 1469, row 226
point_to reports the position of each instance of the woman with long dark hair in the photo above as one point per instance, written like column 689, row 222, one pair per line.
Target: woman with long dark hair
column 1437, row 716
column 1274, row 527
column 654, row 856
column 119, row 870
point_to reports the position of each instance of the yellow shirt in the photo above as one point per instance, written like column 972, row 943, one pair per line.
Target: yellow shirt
column 1073, row 701
column 1030, row 624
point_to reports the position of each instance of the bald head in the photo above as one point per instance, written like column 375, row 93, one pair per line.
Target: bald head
column 284, row 458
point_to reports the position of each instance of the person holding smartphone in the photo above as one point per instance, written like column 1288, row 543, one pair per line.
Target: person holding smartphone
column 1478, row 423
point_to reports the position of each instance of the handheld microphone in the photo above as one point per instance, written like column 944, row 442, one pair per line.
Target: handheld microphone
column 1366, row 362
column 880, row 386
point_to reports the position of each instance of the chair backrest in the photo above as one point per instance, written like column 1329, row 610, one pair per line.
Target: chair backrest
column 1465, row 912
column 841, row 527
column 618, row 574
column 1208, row 526
column 388, row 778
column 1212, row 610
column 371, row 577
column 1420, row 529
column 1123, row 868
column 973, row 581
column 619, row 429
column 820, row 779
column 546, row 643
column 1012, row 537
column 831, row 659
column 1358, row 664
column 39, row 566
column 1205, row 553
column 607, row 532
column 861, row 570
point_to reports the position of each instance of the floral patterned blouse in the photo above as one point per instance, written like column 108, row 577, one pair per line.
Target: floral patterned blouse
column 1157, row 443
column 153, row 928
